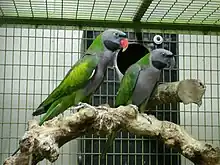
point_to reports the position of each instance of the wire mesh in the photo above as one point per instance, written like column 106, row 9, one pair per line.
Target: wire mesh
column 201, row 12
column 173, row 11
column 96, row 9
column 200, row 59
column 34, row 60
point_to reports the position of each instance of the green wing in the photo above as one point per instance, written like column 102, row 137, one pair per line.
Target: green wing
column 124, row 94
column 127, row 85
column 76, row 78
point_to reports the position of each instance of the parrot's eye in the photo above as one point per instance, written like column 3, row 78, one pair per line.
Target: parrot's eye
column 163, row 54
column 116, row 34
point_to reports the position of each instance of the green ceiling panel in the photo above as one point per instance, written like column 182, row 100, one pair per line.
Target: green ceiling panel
column 188, row 12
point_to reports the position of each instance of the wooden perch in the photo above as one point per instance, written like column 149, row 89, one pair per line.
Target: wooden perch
column 44, row 141
column 186, row 91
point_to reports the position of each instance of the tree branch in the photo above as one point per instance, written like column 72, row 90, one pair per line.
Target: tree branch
column 186, row 91
column 44, row 141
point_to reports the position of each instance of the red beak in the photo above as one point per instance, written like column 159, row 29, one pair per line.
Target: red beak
column 124, row 44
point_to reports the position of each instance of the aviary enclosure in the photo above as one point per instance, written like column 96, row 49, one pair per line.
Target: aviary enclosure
column 41, row 39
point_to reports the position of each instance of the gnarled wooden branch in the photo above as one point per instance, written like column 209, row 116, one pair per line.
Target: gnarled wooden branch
column 41, row 142
column 186, row 91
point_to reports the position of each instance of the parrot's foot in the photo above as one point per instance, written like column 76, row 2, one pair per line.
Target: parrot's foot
column 81, row 105
column 101, row 124
column 102, row 107
column 146, row 117
column 134, row 107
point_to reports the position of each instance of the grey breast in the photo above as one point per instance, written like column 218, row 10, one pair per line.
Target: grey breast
column 147, row 79
column 98, row 77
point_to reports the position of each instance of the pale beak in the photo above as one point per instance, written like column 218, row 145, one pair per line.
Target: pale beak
column 124, row 49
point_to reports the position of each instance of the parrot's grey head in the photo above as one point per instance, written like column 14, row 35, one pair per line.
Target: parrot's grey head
column 114, row 39
column 162, row 58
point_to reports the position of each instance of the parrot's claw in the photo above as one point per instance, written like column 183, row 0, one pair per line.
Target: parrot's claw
column 102, row 107
column 146, row 117
column 101, row 124
column 81, row 105
column 134, row 107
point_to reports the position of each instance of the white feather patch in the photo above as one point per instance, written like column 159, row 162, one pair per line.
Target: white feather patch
column 119, row 74
column 93, row 72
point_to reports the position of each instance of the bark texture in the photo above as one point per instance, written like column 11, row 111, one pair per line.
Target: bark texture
column 44, row 141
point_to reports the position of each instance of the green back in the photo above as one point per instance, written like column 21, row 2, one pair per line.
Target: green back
column 127, row 85
column 75, row 79
column 69, row 91
column 144, row 60
column 97, row 46
column 80, row 72
column 129, row 81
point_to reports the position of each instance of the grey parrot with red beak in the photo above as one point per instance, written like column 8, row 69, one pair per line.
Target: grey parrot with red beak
column 85, row 76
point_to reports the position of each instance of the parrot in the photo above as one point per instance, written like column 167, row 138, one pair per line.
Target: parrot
column 139, row 82
column 84, row 77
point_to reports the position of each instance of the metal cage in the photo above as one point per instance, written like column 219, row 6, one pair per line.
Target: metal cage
column 41, row 39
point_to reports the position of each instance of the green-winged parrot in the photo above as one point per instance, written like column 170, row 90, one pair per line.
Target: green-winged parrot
column 139, row 82
column 85, row 76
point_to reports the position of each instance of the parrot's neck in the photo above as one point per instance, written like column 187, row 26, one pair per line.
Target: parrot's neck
column 107, row 57
column 97, row 46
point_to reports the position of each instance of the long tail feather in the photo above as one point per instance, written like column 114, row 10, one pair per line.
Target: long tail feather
column 39, row 111
column 109, row 142
column 54, row 110
column 15, row 151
